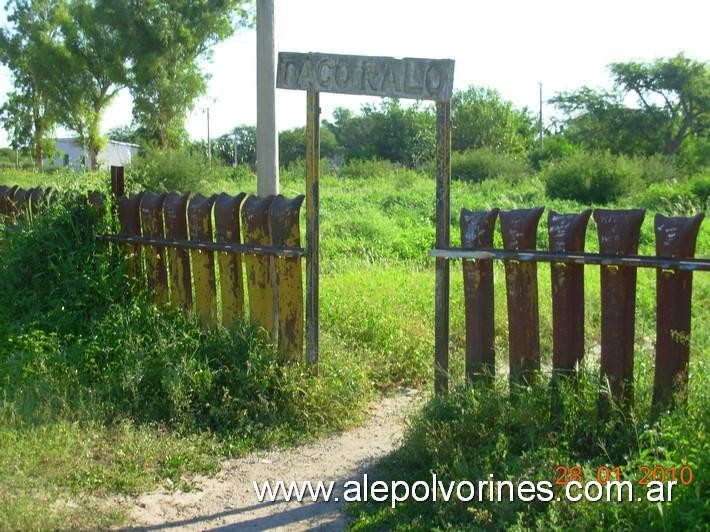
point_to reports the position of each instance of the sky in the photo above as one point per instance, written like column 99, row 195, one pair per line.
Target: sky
column 511, row 46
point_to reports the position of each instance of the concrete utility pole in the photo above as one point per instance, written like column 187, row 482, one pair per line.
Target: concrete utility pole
column 267, row 147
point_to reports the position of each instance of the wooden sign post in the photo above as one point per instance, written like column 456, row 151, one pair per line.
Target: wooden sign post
column 388, row 77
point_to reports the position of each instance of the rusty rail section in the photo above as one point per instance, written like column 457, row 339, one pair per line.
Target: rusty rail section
column 186, row 249
column 519, row 230
column 566, row 234
column 637, row 261
column 477, row 232
column 618, row 233
column 674, row 237
column 17, row 203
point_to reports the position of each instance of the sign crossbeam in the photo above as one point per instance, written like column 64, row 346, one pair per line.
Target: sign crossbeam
column 415, row 78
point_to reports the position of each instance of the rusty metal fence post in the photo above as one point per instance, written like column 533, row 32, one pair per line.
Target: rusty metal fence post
column 519, row 229
column 36, row 199
column 130, row 222
column 618, row 235
column 16, row 199
column 11, row 213
column 118, row 182
column 151, row 219
column 4, row 203
column 180, row 275
column 199, row 222
column 676, row 238
column 477, row 232
column 227, row 229
column 257, row 230
column 285, row 232
column 566, row 233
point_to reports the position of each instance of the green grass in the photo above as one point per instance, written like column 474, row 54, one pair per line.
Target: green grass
column 84, row 357
column 60, row 474
column 475, row 432
column 85, row 363
column 62, row 179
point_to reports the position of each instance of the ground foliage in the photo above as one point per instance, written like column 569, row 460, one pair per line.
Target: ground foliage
column 102, row 393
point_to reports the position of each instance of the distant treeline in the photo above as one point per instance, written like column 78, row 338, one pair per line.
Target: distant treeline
column 658, row 109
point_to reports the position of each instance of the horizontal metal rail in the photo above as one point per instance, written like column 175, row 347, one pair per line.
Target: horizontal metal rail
column 638, row 261
column 206, row 246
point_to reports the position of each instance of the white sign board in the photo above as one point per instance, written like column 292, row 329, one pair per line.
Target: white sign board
column 420, row 79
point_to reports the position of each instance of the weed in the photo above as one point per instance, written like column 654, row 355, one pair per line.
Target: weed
column 475, row 432
column 102, row 393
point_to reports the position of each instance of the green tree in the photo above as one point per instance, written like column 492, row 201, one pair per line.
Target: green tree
column 672, row 106
column 675, row 90
column 292, row 144
column 29, row 114
column 354, row 134
column 599, row 120
column 127, row 133
column 88, row 71
column 164, row 43
column 246, row 144
column 223, row 147
column 16, row 117
column 389, row 131
column 404, row 134
column 482, row 119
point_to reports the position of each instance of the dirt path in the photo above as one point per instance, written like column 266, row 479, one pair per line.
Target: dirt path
column 228, row 501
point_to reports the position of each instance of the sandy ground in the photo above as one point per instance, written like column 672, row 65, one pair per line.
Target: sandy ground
column 228, row 501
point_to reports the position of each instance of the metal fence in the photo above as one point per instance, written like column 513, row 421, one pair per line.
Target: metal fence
column 189, row 251
column 618, row 234
column 17, row 203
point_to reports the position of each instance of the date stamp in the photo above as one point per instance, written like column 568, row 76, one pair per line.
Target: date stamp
column 651, row 483
column 604, row 474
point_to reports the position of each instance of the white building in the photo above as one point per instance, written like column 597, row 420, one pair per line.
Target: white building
column 70, row 152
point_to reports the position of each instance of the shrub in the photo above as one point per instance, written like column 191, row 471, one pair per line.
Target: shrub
column 297, row 169
column 292, row 144
column 77, row 338
column 656, row 168
column 476, row 432
column 554, row 147
column 54, row 273
column 241, row 172
column 590, row 178
column 164, row 170
column 694, row 153
column 700, row 187
column 671, row 198
column 478, row 165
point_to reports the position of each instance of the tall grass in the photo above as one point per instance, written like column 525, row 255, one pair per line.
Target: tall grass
column 84, row 354
column 108, row 367
column 476, row 432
